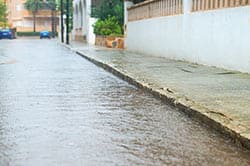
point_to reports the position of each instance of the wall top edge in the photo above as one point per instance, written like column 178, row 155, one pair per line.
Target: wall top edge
column 142, row 4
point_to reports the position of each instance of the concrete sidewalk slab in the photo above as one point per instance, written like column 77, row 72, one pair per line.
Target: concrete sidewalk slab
column 217, row 97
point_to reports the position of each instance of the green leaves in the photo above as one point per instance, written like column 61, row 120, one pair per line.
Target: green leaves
column 51, row 4
column 33, row 5
column 109, row 26
column 109, row 8
column 3, row 14
column 111, row 17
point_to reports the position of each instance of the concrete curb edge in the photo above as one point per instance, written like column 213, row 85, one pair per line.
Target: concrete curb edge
column 192, row 111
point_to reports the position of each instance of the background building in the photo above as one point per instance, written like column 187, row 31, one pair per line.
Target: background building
column 22, row 19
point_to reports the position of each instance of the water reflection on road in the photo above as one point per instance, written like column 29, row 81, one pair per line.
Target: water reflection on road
column 58, row 109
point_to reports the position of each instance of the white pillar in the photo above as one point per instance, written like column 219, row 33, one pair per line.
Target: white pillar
column 127, row 4
column 89, row 21
column 187, row 6
column 60, row 29
column 85, row 18
column 74, row 22
column 91, row 35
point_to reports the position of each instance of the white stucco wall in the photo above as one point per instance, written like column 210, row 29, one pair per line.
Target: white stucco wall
column 91, row 35
column 217, row 38
column 126, row 5
column 82, row 19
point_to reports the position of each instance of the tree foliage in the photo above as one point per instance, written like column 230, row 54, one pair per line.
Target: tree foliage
column 33, row 6
column 58, row 7
column 109, row 8
column 3, row 14
column 52, row 4
column 109, row 26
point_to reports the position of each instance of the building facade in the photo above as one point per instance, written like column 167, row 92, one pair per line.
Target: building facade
column 22, row 19
column 82, row 21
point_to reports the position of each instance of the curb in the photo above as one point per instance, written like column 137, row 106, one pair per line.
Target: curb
column 191, row 109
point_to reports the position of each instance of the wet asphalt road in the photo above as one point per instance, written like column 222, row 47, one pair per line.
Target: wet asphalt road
column 56, row 108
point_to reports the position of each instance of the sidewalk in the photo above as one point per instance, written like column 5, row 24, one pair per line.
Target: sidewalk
column 218, row 97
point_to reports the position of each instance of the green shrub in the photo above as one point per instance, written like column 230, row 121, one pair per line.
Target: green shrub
column 3, row 15
column 116, row 35
column 107, row 27
column 106, row 8
column 30, row 33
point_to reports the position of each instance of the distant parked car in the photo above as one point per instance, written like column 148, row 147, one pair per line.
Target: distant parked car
column 6, row 34
column 44, row 34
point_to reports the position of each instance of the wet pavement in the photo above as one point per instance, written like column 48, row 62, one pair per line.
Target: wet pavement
column 219, row 96
column 56, row 108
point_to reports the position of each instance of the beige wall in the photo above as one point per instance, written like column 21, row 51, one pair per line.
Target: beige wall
column 41, row 24
column 22, row 19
